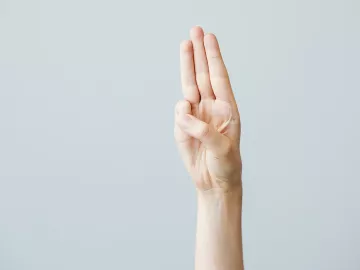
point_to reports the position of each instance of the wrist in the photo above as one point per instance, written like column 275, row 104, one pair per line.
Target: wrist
column 231, row 196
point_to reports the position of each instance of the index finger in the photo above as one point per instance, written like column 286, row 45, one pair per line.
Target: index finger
column 188, row 79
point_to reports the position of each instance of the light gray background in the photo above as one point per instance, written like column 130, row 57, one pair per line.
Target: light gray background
column 89, row 174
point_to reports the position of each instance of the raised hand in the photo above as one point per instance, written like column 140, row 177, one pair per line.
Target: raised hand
column 207, row 121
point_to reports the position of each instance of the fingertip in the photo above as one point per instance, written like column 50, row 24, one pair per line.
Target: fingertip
column 196, row 32
column 183, row 107
column 186, row 46
column 210, row 41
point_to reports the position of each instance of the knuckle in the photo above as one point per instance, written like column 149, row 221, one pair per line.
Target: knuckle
column 203, row 79
column 221, row 82
column 178, row 105
column 216, row 57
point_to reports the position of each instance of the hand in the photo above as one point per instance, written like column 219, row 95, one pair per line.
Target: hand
column 207, row 121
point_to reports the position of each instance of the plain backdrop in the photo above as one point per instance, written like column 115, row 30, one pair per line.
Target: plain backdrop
column 89, row 174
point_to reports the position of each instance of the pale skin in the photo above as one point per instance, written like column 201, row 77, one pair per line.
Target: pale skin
column 207, row 133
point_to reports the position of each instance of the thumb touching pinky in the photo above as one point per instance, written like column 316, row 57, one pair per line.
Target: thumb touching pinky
column 206, row 133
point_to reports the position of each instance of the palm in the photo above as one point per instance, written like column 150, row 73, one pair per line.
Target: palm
column 208, row 126
column 206, row 168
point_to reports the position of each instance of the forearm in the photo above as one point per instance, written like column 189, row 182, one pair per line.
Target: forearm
column 207, row 131
column 219, row 238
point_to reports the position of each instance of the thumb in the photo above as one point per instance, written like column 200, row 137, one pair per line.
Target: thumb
column 206, row 133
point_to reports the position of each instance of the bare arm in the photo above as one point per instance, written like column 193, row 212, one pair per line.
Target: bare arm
column 207, row 132
column 218, row 237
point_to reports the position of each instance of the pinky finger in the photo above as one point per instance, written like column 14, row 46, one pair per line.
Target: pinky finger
column 183, row 140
